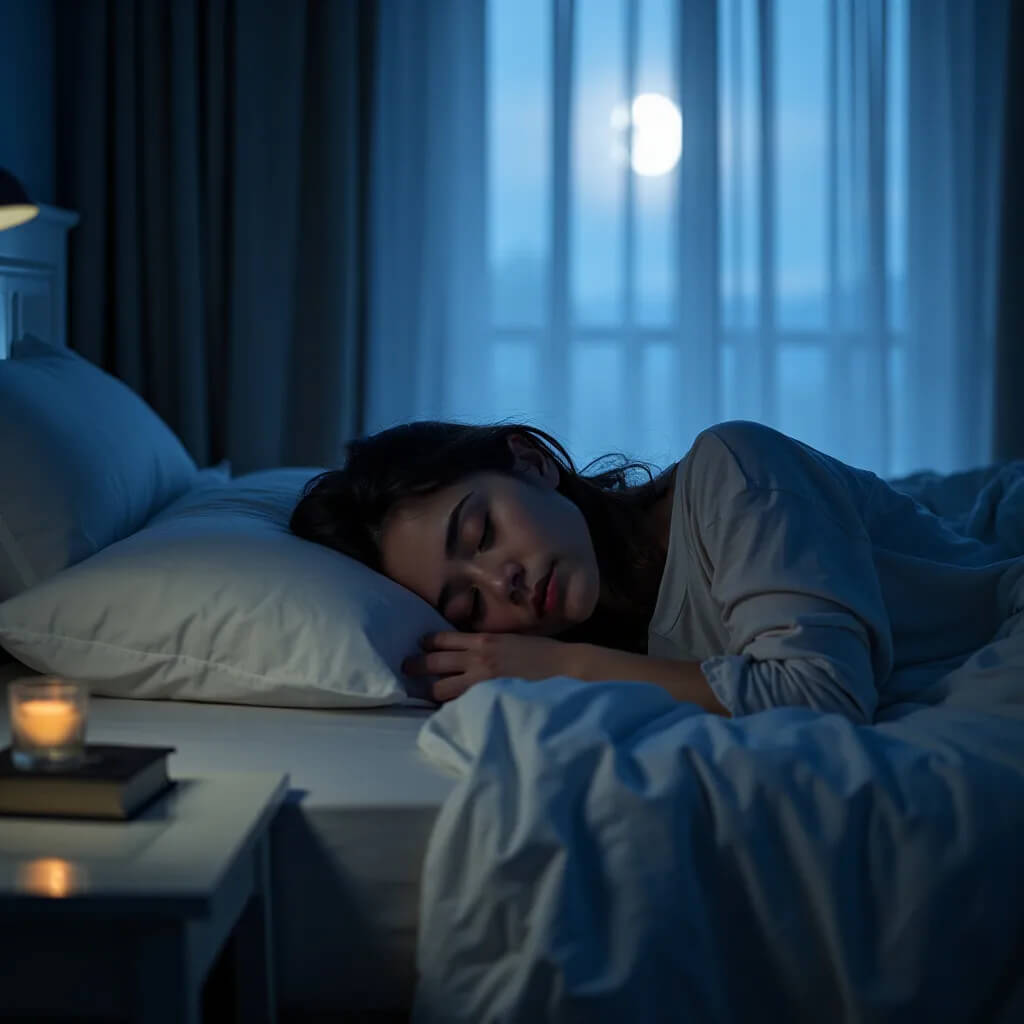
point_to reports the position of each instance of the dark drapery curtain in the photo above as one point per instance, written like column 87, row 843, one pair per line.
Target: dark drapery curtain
column 1009, row 406
column 217, row 151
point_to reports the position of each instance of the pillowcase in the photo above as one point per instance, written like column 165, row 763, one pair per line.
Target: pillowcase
column 84, row 462
column 216, row 600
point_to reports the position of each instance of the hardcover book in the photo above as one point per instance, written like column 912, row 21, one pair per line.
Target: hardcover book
column 111, row 782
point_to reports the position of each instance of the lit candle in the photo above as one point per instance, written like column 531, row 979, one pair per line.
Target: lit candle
column 48, row 718
column 47, row 722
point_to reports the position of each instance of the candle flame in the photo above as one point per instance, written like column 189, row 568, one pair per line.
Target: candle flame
column 46, row 722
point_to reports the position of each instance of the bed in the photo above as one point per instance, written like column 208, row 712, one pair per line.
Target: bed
column 569, row 851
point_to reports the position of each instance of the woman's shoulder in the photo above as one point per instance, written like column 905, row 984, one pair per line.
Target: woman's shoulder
column 741, row 437
column 735, row 448
column 743, row 455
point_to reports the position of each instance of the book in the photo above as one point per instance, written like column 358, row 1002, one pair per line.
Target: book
column 111, row 782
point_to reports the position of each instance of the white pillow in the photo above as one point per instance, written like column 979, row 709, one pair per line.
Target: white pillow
column 216, row 600
column 83, row 462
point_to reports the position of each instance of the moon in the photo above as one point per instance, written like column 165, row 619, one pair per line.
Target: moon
column 657, row 133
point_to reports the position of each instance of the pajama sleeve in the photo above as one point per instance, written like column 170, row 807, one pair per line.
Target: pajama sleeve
column 793, row 575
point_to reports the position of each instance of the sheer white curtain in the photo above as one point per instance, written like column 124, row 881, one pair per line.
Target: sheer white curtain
column 819, row 256
column 428, row 311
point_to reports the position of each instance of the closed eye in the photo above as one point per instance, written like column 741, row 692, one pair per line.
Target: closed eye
column 487, row 537
column 486, row 540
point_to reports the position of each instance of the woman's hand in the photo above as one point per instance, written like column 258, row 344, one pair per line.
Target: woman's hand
column 462, row 659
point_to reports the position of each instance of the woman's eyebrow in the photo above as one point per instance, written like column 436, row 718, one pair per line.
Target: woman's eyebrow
column 451, row 537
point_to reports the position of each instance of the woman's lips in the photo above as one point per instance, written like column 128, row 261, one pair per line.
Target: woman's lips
column 542, row 592
column 551, row 594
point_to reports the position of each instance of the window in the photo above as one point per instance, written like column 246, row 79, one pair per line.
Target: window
column 618, row 321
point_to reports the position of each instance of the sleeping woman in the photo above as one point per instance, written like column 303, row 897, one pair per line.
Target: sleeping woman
column 753, row 573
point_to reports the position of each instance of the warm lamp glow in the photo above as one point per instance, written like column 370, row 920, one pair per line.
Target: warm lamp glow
column 12, row 216
column 15, row 205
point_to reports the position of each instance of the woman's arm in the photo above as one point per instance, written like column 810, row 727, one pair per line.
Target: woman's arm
column 460, row 660
column 683, row 679
column 792, row 573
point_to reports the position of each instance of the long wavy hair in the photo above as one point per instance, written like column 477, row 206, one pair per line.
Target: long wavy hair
column 346, row 509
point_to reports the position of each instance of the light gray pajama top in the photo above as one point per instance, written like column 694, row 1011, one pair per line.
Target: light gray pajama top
column 796, row 579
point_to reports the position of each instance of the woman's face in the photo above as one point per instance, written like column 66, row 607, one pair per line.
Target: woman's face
column 477, row 550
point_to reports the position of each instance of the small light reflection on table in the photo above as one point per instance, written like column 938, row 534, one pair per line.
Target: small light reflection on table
column 52, row 877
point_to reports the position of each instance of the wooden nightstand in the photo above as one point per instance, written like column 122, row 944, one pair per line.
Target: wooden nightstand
column 123, row 920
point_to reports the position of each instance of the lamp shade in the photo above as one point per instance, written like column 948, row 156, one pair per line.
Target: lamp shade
column 15, row 206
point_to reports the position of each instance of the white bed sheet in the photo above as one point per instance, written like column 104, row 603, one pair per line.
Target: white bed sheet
column 348, row 845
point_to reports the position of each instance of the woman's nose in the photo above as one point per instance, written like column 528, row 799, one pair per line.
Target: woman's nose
column 508, row 583
column 517, row 587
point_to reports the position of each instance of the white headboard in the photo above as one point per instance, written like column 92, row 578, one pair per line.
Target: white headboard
column 34, row 278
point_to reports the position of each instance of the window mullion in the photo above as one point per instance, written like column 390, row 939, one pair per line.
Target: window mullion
column 629, row 246
column 878, row 324
column 735, row 121
column 767, row 348
column 698, row 216
column 555, row 358
column 836, row 342
column 630, row 342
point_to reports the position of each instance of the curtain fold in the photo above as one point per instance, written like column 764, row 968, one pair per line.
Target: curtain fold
column 217, row 152
column 1009, row 382
column 429, row 353
column 956, row 92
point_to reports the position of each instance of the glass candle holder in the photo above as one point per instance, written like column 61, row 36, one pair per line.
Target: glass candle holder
column 48, row 719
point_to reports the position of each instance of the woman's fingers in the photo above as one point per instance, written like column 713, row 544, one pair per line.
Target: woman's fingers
column 434, row 664
column 450, row 688
column 447, row 655
column 451, row 641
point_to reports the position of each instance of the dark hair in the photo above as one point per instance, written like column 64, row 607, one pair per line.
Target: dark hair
column 346, row 509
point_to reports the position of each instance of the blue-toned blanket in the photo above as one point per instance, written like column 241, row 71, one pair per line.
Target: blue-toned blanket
column 612, row 855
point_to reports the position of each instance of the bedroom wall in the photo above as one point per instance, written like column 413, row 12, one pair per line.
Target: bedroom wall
column 28, row 136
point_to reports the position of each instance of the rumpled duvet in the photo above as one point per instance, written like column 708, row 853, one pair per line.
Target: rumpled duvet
column 610, row 854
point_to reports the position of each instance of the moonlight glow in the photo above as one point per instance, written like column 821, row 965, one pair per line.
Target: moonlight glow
column 657, row 133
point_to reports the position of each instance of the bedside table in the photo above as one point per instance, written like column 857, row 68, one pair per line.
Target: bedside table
column 123, row 920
